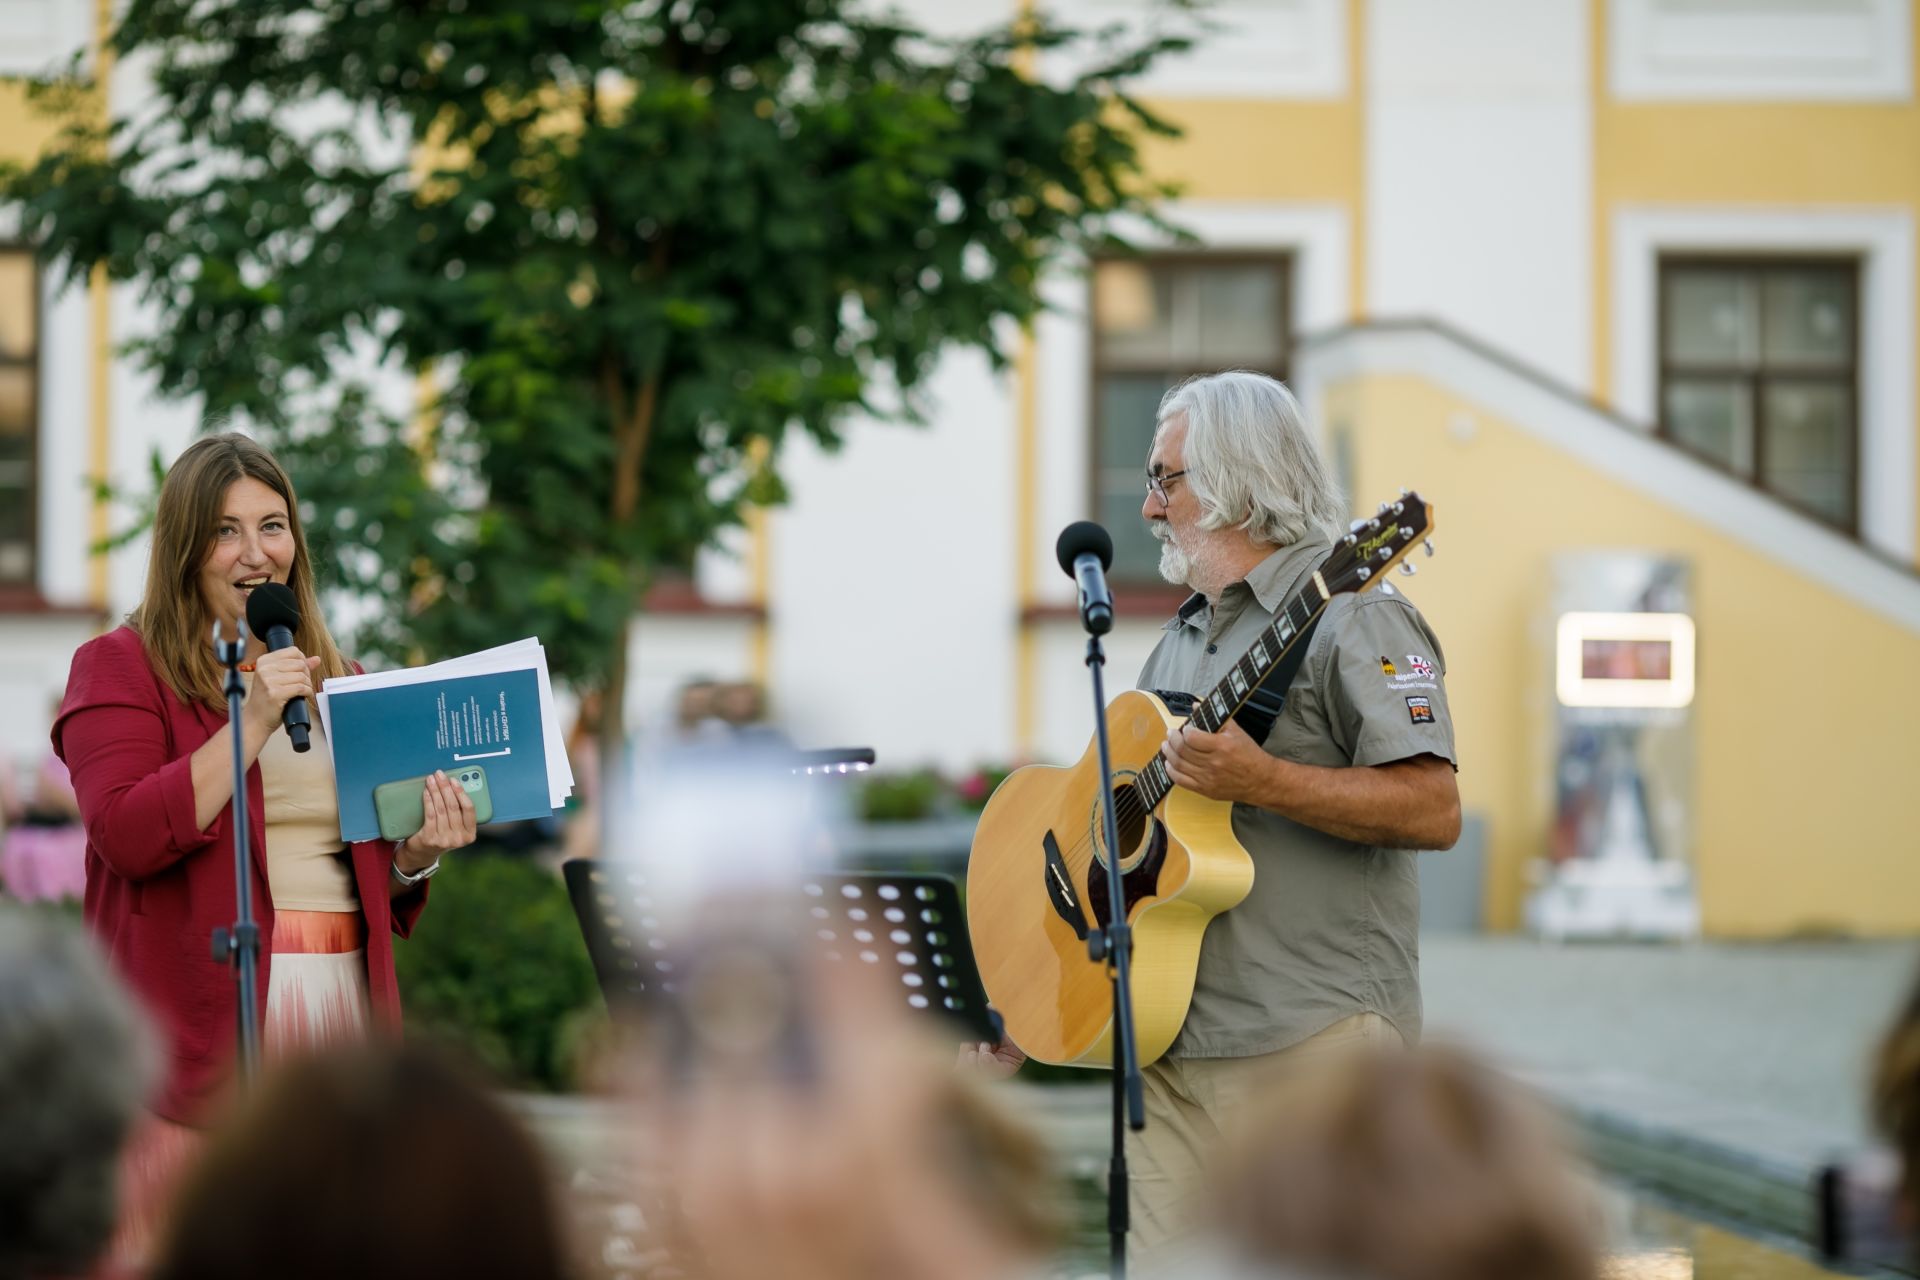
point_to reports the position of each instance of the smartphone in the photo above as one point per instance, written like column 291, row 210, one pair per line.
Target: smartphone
column 401, row 806
column 1860, row 1217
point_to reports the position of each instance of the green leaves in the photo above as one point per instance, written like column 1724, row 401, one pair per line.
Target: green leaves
column 633, row 245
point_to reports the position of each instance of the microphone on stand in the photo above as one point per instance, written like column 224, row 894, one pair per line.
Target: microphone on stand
column 274, row 615
column 1085, row 551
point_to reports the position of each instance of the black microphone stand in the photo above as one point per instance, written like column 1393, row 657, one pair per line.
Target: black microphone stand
column 239, row 945
column 1113, row 947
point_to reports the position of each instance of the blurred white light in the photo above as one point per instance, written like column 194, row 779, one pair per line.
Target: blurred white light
column 1577, row 686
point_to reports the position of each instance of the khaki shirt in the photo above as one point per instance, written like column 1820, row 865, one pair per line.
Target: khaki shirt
column 1330, row 928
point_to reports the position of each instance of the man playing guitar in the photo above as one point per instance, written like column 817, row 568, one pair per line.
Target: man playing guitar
column 1358, row 771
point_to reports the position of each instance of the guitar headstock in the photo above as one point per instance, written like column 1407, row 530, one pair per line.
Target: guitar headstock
column 1374, row 544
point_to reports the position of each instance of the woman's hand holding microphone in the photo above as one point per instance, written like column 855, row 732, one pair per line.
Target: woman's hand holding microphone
column 278, row 678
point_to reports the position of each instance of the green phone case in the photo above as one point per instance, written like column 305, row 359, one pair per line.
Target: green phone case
column 402, row 806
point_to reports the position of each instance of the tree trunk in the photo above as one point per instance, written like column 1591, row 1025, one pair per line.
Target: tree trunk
column 610, row 786
column 632, row 429
column 630, row 455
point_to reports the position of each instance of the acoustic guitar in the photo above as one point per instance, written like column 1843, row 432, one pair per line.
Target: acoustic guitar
column 1037, row 873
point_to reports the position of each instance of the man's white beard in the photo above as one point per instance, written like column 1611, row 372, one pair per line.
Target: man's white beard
column 1199, row 568
column 1176, row 566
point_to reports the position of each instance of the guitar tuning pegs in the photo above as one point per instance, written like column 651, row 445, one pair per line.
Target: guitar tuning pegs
column 1399, row 508
column 1407, row 568
column 1406, row 531
column 1352, row 540
column 1406, row 493
column 1386, row 588
column 1357, row 525
column 1384, row 508
column 1364, row 573
column 1384, row 553
column 1428, row 544
column 1373, row 526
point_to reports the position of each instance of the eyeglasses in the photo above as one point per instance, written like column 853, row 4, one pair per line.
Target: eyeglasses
column 1157, row 483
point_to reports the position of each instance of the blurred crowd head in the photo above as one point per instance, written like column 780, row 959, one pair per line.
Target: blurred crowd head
column 75, row 1063
column 1406, row 1165
column 379, row 1160
column 1895, row 1098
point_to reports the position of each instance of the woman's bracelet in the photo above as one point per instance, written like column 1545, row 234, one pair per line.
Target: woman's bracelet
column 405, row 880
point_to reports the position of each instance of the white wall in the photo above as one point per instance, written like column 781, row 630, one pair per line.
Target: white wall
column 66, row 435
column 1479, row 163
column 892, row 593
column 36, row 652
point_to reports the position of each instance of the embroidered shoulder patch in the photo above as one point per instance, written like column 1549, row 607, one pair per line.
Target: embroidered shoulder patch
column 1420, row 710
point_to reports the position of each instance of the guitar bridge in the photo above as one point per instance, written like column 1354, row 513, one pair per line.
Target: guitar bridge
column 1066, row 903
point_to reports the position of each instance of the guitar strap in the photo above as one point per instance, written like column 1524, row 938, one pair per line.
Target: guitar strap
column 1268, row 699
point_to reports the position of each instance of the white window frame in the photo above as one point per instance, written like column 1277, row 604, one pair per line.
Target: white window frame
column 1760, row 50
column 1884, row 242
column 1317, row 238
column 69, row 30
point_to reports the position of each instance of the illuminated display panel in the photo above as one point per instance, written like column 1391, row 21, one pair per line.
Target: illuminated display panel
column 1625, row 660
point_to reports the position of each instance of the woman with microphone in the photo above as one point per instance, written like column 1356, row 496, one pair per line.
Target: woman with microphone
column 144, row 731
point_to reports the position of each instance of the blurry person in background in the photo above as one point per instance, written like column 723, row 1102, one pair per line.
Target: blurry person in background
column 844, row 1151
column 694, row 716
column 75, row 1062
column 372, row 1161
column 1400, row 1165
column 741, row 705
column 582, row 836
column 43, row 852
column 144, row 730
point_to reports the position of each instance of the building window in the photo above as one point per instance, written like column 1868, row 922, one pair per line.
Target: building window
column 19, row 412
column 1156, row 321
column 1760, row 374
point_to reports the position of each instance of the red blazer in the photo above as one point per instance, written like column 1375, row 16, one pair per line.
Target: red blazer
column 158, row 886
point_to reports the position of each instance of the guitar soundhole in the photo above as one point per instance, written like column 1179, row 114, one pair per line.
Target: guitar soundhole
column 1132, row 817
column 1137, row 828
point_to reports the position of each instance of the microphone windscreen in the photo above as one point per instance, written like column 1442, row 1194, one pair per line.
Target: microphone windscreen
column 272, row 604
column 1080, row 538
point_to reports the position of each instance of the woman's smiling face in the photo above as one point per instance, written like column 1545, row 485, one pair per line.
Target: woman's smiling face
column 252, row 544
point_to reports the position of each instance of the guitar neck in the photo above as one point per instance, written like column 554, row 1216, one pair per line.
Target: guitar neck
column 1253, row 666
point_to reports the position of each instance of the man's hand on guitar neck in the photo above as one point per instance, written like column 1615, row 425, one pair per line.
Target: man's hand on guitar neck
column 1404, row 804
column 1227, row 765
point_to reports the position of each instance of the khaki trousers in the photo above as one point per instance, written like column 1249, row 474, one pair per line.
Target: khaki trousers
column 1192, row 1102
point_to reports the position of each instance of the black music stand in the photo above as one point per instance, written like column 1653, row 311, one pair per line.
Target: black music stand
column 909, row 925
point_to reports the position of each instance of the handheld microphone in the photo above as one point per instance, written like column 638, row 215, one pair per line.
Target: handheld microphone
column 1085, row 551
column 274, row 615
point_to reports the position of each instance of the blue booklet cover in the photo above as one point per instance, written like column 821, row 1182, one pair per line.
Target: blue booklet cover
column 407, row 731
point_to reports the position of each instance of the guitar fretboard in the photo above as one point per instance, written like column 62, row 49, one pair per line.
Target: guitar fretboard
column 1227, row 697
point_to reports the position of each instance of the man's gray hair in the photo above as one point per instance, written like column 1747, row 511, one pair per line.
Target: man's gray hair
column 76, row 1061
column 1250, row 460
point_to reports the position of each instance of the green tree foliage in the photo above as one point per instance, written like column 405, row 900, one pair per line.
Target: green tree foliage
column 628, row 246
column 499, row 968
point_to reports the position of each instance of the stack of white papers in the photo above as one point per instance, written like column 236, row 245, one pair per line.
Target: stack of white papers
column 448, row 726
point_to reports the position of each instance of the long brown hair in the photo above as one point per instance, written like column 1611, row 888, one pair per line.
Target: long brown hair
column 380, row 1161
column 172, row 617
